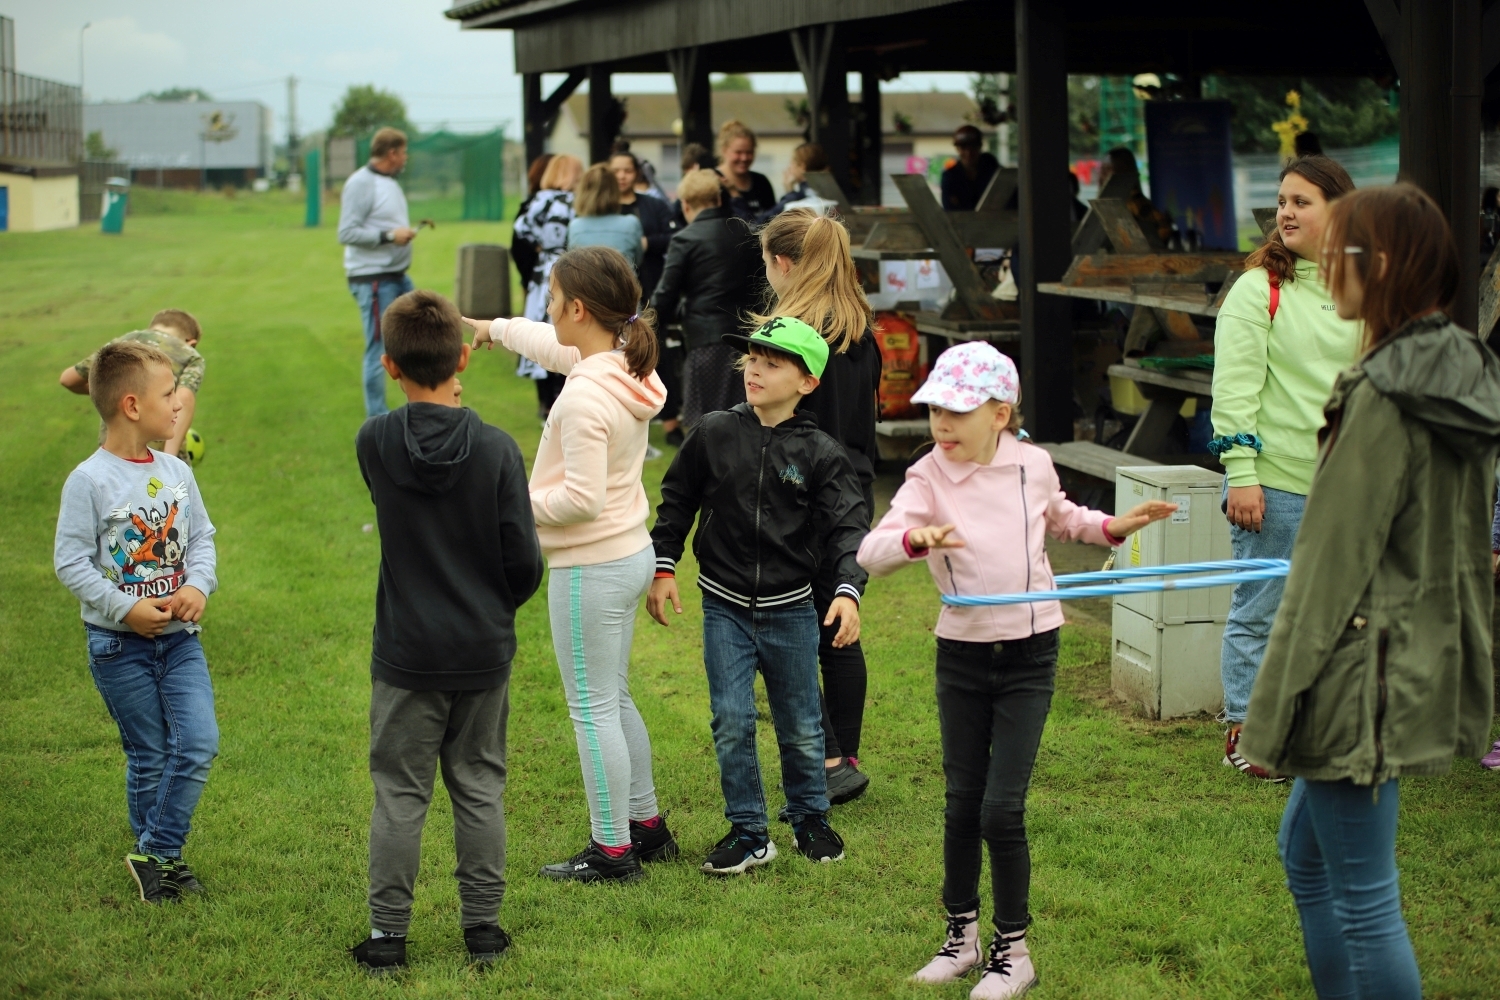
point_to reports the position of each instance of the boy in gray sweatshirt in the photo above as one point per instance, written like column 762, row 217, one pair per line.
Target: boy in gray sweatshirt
column 136, row 547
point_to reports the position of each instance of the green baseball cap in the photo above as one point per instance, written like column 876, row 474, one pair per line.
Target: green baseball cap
column 790, row 336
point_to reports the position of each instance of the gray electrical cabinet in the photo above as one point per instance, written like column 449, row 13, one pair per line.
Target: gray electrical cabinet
column 482, row 285
column 1166, row 643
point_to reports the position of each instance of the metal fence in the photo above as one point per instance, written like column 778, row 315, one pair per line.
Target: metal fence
column 41, row 121
column 91, row 178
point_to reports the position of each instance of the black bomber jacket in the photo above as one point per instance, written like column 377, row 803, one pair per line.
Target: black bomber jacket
column 776, row 502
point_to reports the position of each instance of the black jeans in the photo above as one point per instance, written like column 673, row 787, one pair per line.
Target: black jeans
column 845, row 679
column 992, row 703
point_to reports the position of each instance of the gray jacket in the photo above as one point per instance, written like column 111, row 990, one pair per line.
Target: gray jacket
column 372, row 204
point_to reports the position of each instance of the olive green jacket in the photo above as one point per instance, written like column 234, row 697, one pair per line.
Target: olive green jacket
column 1379, row 661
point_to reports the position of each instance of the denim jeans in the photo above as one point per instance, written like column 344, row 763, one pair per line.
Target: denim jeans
column 992, row 701
column 1252, row 608
column 374, row 298
column 158, row 692
column 1338, row 845
column 782, row 643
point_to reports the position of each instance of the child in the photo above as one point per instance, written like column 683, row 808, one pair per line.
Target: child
column 176, row 334
column 779, row 500
column 444, row 627
column 591, row 512
column 813, row 278
column 136, row 547
column 978, row 509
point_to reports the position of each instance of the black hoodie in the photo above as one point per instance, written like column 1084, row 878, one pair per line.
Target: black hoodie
column 458, row 547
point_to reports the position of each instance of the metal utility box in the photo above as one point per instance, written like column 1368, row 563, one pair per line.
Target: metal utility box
column 1166, row 643
column 483, row 281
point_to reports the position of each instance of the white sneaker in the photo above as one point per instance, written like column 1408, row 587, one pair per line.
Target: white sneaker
column 1008, row 973
column 959, row 955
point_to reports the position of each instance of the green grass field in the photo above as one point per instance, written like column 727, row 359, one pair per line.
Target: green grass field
column 1155, row 868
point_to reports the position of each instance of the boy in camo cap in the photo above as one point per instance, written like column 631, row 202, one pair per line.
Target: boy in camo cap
column 175, row 333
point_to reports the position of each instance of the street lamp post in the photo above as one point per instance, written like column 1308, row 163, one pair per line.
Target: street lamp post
column 80, row 57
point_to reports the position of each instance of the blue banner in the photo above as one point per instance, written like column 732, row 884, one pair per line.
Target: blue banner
column 1192, row 169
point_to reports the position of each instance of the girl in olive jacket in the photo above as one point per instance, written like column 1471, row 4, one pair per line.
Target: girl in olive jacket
column 1379, row 661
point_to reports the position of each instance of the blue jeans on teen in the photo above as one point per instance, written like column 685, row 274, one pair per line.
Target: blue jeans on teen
column 1338, row 845
column 1252, row 608
column 782, row 643
column 374, row 298
column 158, row 692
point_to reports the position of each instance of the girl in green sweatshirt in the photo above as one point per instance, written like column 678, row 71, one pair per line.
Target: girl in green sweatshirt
column 1278, row 347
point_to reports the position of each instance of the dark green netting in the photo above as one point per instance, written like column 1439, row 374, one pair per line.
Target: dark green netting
column 441, row 160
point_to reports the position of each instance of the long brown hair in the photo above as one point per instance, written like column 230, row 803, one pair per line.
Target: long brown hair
column 603, row 280
column 1405, row 226
column 824, row 290
column 598, row 192
column 1322, row 173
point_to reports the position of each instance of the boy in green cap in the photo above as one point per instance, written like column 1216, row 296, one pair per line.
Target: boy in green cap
column 779, row 498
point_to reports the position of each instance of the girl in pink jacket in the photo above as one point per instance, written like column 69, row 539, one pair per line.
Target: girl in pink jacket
column 977, row 509
column 590, row 510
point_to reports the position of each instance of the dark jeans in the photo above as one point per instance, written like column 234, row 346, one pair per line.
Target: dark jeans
column 411, row 732
column 845, row 678
column 992, row 703
column 1338, row 846
column 158, row 692
column 781, row 643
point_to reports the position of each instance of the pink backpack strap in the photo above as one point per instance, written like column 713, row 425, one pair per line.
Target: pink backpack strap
column 1275, row 294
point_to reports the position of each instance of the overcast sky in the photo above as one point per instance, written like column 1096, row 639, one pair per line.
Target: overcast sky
column 242, row 51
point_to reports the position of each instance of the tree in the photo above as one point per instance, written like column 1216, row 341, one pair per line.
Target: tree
column 1344, row 113
column 176, row 94
column 365, row 109
column 732, row 81
column 95, row 149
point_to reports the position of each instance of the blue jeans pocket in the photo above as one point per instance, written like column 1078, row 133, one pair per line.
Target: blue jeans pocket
column 104, row 645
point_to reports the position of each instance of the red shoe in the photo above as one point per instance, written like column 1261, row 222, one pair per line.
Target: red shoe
column 1233, row 759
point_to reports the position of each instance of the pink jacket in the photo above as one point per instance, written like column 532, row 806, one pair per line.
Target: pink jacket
column 586, row 491
column 1003, row 512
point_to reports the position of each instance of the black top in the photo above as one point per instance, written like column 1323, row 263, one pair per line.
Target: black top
column 753, row 203
column 458, row 552
column 658, row 226
column 777, row 503
column 844, row 403
column 715, row 273
column 961, row 194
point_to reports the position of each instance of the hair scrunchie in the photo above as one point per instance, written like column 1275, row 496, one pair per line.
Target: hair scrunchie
column 632, row 319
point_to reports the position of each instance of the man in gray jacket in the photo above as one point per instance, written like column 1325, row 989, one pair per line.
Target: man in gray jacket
column 376, row 233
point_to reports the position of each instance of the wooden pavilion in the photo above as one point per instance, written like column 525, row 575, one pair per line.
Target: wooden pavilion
column 1440, row 51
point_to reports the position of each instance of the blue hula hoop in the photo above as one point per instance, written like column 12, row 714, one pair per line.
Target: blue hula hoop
column 1245, row 571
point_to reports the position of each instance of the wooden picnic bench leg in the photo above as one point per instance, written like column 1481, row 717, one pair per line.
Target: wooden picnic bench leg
column 1149, row 436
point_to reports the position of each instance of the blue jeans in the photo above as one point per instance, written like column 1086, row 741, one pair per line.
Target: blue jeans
column 782, row 643
column 1252, row 609
column 1338, row 845
column 374, row 298
column 158, row 692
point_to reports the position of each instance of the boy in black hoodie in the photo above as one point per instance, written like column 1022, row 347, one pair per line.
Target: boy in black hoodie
column 459, row 555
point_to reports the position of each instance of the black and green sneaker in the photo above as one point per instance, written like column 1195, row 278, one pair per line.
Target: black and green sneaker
column 153, row 877
column 184, row 878
column 817, row 841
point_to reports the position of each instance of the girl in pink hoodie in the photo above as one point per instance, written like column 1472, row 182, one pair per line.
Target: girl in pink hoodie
column 590, row 510
column 977, row 509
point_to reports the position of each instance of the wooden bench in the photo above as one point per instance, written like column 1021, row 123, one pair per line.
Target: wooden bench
column 1166, row 392
column 1092, row 459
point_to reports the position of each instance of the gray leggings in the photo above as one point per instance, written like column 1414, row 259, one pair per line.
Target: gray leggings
column 593, row 621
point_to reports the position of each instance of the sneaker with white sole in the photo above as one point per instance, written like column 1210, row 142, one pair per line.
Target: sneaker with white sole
column 153, row 877
column 1233, row 759
column 960, row 955
column 738, row 852
column 1008, row 972
column 817, row 841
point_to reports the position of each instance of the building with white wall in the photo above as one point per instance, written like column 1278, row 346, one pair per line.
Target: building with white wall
column 186, row 143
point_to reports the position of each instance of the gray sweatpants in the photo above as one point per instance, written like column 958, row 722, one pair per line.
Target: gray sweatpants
column 410, row 732
column 593, row 623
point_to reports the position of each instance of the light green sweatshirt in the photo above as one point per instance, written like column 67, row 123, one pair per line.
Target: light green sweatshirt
column 1271, row 379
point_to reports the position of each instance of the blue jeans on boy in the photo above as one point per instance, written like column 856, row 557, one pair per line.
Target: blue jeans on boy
column 158, row 692
column 782, row 642
column 1338, row 846
column 1252, row 608
column 375, row 296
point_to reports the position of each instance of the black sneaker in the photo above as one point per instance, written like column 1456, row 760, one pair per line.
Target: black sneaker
column 592, row 865
column 817, row 841
column 653, row 843
column 674, row 437
column 182, row 876
column 381, row 956
column 153, row 876
column 845, row 782
column 738, row 852
column 486, row 943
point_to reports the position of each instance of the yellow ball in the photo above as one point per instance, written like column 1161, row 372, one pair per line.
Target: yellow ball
column 193, row 447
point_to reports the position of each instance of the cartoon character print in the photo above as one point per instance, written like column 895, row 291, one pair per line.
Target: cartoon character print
column 148, row 551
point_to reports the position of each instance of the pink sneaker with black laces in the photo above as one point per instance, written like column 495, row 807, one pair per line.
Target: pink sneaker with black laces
column 1491, row 760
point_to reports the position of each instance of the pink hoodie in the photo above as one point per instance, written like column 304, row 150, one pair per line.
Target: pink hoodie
column 586, row 491
column 1003, row 512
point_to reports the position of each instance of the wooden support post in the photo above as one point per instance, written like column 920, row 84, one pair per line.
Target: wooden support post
column 1468, row 89
column 821, row 60
column 1045, row 246
column 872, row 147
column 602, row 122
column 541, row 113
column 694, row 96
